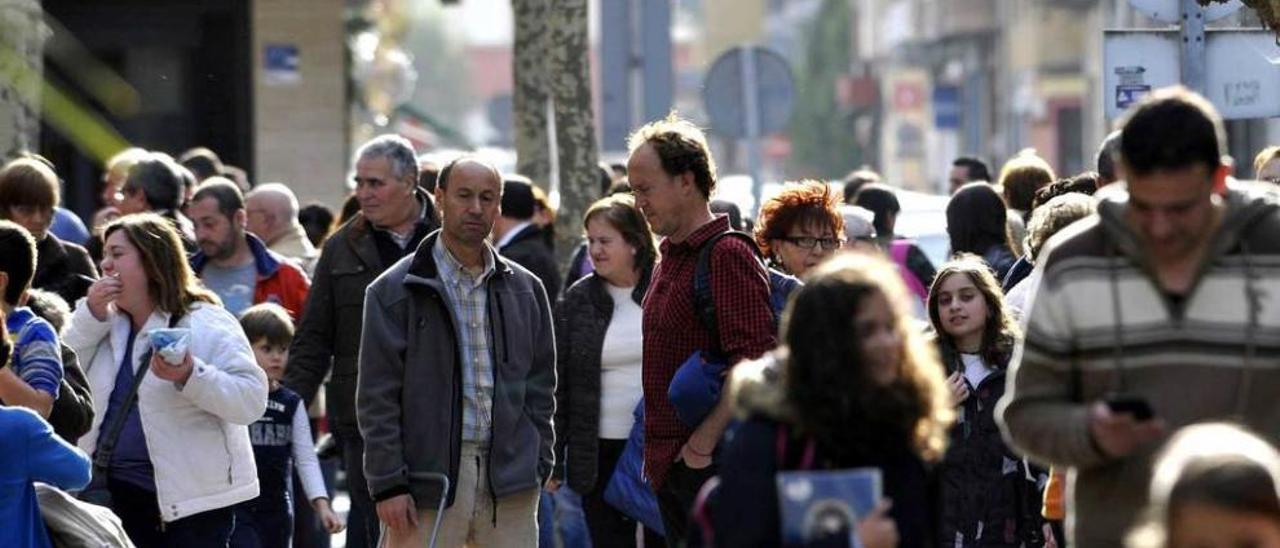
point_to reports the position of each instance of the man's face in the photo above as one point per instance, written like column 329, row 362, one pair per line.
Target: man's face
column 469, row 205
column 384, row 199
column 131, row 200
column 1172, row 212
column 958, row 177
column 259, row 218
column 216, row 234
column 658, row 194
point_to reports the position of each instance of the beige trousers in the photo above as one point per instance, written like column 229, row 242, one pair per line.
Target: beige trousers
column 473, row 520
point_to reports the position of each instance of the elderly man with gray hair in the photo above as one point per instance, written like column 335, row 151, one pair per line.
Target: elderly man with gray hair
column 395, row 215
column 273, row 216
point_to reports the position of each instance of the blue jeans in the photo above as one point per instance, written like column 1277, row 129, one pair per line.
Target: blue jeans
column 560, row 516
column 263, row 523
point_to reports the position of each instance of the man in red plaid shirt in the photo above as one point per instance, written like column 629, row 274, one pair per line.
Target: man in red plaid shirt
column 673, row 175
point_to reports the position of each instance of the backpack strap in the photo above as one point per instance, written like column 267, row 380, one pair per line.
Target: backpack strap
column 704, row 305
column 782, row 441
column 107, row 444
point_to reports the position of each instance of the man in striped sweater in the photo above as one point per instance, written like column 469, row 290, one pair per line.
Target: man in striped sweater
column 1167, row 299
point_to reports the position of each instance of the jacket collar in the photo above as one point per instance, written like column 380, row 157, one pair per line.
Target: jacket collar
column 1246, row 204
column 423, row 269
column 360, row 231
column 264, row 261
column 359, row 237
column 599, row 292
column 519, row 233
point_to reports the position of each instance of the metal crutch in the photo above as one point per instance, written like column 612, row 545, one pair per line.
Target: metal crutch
column 444, row 496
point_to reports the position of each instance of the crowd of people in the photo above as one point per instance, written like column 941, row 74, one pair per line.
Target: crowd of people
column 1092, row 365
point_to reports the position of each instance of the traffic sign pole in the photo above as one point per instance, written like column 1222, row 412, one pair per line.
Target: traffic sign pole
column 1194, row 70
column 751, row 102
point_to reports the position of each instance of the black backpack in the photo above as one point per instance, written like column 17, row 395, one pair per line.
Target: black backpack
column 704, row 307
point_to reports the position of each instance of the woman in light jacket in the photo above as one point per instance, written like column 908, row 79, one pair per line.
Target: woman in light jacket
column 598, row 353
column 182, row 459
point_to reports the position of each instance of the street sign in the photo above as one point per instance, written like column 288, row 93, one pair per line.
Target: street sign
column 726, row 94
column 1168, row 11
column 1243, row 69
column 946, row 107
column 1244, row 73
column 748, row 93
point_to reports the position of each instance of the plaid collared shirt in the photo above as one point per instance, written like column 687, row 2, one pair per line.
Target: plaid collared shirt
column 740, row 287
column 470, row 300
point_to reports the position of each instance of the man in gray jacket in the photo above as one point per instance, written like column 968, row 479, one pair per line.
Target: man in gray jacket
column 457, row 376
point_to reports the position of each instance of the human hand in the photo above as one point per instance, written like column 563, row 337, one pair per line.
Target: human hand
column 331, row 520
column 102, row 295
column 693, row 459
column 398, row 512
column 1049, row 540
column 6, row 346
column 1118, row 435
column 877, row 529
column 169, row 372
column 958, row 388
column 552, row 485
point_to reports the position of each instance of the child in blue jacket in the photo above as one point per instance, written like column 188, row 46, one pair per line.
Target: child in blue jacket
column 31, row 453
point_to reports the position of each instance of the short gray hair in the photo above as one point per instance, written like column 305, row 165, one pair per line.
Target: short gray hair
column 397, row 150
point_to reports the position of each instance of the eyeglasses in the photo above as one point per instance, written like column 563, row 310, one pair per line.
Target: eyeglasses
column 809, row 242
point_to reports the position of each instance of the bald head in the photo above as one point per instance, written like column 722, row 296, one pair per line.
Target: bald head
column 272, row 209
column 468, row 193
column 471, row 166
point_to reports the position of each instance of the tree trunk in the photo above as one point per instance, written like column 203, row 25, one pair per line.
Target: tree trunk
column 529, row 74
column 22, row 36
column 570, row 85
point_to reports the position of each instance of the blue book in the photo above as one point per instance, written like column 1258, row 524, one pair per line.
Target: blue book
column 822, row 506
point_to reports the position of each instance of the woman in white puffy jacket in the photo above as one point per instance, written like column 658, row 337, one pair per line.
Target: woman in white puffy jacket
column 182, row 458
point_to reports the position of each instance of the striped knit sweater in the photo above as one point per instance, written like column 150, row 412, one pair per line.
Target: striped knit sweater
column 37, row 356
column 1100, row 324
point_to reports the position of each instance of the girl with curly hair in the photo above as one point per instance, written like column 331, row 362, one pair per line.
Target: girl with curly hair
column 853, row 385
column 987, row 500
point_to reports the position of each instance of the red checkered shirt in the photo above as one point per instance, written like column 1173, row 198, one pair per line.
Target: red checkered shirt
column 740, row 288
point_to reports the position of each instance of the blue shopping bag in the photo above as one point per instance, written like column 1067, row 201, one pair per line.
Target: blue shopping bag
column 627, row 490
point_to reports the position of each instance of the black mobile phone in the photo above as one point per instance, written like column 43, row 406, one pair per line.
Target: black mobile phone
column 1133, row 405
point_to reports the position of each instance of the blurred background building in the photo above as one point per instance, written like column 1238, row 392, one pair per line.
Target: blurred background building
column 286, row 88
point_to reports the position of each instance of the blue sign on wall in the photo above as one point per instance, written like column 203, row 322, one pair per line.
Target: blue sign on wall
column 946, row 107
column 280, row 64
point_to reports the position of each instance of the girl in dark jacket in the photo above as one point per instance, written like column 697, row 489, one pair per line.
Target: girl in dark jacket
column 989, row 496
column 599, row 346
column 852, row 386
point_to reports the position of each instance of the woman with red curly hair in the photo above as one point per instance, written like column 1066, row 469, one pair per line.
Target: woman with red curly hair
column 800, row 227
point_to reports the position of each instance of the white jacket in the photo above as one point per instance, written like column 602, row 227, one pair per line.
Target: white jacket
column 197, row 434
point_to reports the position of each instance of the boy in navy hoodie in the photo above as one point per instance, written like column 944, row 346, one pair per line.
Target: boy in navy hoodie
column 281, row 439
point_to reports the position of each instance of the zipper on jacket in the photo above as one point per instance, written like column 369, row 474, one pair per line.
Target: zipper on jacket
column 227, row 447
column 493, row 493
column 457, row 390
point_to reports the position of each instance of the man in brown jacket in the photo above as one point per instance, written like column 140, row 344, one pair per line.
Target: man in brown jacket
column 395, row 216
